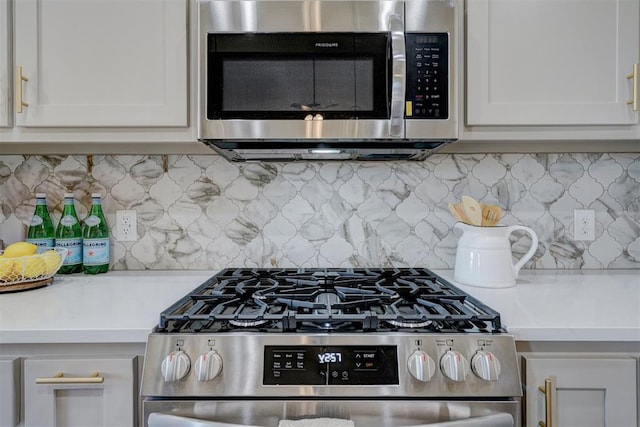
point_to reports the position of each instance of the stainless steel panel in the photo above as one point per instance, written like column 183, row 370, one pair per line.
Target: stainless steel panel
column 436, row 16
column 243, row 354
column 319, row 154
column 435, row 129
column 297, row 129
column 297, row 16
column 372, row 413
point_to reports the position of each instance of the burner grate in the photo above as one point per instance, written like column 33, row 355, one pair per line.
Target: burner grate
column 328, row 300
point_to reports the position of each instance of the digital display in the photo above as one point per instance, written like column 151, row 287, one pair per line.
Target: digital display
column 330, row 357
column 426, row 39
column 330, row 365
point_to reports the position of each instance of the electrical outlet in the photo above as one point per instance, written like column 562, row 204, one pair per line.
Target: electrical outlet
column 584, row 224
column 126, row 226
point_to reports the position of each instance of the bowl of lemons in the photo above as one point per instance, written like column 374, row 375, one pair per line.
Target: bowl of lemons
column 22, row 268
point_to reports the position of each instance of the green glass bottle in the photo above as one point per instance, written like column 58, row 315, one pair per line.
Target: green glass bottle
column 95, row 239
column 69, row 236
column 41, row 232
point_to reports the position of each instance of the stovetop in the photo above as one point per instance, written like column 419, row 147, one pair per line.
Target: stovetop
column 329, row 332
column 328, row 300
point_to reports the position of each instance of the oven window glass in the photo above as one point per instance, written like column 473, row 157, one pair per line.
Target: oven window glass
column 297, row 85
column 264, row 80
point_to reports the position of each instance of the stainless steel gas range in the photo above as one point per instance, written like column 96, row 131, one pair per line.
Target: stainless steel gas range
column 367, row 347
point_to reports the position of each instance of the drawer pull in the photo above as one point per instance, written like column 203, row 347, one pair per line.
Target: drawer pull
column 548, row 403
column 20, row 101
column 634, row 100
column 59, row 378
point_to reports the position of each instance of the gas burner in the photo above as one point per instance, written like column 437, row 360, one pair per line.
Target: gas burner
column 247, row 323
column 333, row 300
column 410, row 325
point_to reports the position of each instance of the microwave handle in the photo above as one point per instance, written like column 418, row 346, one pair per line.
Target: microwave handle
column 398, row 66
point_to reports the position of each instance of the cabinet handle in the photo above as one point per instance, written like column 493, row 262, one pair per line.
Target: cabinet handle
column 21, row 79
column 548, row 403
column 59, row 378
column 634, row 101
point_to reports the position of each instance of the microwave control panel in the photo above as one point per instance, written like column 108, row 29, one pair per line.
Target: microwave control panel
column 427, row 93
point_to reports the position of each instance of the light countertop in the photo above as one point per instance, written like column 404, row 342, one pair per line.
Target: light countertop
column 115, row 307
column 123, row 306
column 567, row 305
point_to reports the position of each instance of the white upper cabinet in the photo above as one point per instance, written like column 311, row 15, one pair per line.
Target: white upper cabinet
column 551, row 62
column 100, row 63
column 5, row 75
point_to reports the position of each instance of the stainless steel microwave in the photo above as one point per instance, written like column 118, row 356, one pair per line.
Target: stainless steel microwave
column 326, row 79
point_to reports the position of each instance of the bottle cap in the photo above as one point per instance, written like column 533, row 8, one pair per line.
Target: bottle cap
column 67, row 195
column 96, row 195
column 41, row 196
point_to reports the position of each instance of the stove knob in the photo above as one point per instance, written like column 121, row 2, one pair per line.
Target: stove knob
column 421, row 366
column 454, row 365
column 208, row 366
column 175, row 366
column 485, row 365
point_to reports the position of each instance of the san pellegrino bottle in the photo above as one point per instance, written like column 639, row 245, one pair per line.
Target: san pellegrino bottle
column 41, row 232
column 95, row 239
column 69, row 236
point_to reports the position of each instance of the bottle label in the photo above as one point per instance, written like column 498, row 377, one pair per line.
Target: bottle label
column 68, row 220
column 36, row 221
column 95, row 251
column 42, row 244
column 74, row 250
column 92, row 221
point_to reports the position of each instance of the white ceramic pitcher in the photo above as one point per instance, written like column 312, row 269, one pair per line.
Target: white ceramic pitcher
column 484, row 255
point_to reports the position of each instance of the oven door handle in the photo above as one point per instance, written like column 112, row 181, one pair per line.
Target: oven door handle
column 399, row 76
column 158, row 419
column 494, row 420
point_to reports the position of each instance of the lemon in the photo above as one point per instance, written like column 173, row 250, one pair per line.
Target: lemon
column 6, row 268
column 30, row 267
column 52, row 261
column 19, row 249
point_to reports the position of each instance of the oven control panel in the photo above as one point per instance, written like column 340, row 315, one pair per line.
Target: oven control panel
column 351, row 364
column 330, row 365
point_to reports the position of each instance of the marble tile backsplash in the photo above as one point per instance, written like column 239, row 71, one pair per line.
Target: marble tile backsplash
column 202, row 212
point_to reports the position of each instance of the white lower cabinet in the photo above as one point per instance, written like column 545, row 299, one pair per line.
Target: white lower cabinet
column 580, row 390
column 93, row 391
column 9, row 391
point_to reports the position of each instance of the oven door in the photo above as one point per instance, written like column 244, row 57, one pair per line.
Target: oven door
column 382, row 413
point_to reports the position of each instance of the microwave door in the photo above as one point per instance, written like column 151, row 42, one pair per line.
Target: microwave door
column 298, row 86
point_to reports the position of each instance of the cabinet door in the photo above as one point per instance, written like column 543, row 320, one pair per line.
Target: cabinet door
column 584, row 392
column 9, row 391
column 5, row 75
column 90, row 392
column 102, row 62
column 551, row 62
